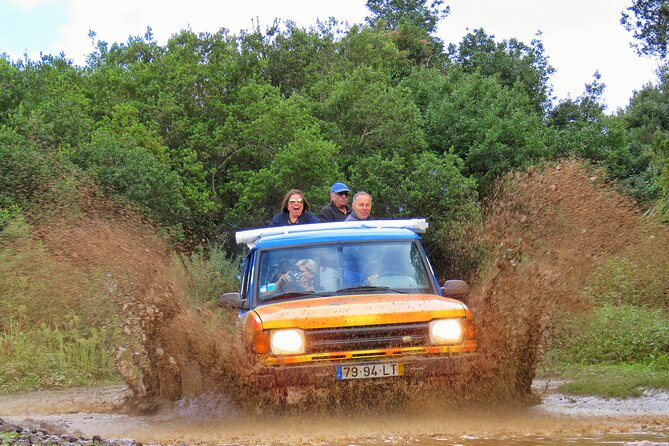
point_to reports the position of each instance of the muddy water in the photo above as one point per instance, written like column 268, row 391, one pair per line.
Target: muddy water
column 546, row 232
column 213, row 420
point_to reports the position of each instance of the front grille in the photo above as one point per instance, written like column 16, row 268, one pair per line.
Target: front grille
column 366, row 338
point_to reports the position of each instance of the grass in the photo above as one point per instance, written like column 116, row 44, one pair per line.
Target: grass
column 621, row 347
column 46, row 357
column 609, row 380
column 8, row 437
column 58, row 324
column 616, row 351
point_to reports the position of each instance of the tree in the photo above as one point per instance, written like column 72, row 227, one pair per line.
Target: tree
column 421, row 13
column 297, row 58
column 411, row 24
column 650, row 26
column 12, row 89
column 512, row 61
column 364, row 46
column 372, row 115
column 586, row 108
column 127, row 170
column 582, row 129
column 259, row 124
column 308, row 163
column 52, row 108
column 642, row 170
column 491, row 127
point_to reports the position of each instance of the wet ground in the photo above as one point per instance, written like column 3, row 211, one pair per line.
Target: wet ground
column 558, row 419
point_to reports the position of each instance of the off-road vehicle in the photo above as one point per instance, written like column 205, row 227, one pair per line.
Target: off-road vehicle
column 325, row 303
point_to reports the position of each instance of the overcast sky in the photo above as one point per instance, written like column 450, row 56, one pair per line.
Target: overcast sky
column 579, row 36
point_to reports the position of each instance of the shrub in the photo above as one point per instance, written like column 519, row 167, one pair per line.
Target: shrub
column 211, row 273
column 611, row 334
column 125, row 169
column 24, row 169
column 640, row 277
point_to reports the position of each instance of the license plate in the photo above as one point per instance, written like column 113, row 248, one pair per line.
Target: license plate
column 362, row 371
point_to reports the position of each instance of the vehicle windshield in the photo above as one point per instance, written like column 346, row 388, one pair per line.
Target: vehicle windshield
column 343, row 269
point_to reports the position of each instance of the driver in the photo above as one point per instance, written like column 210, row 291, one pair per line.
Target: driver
column 372, row 273
column 353, row 277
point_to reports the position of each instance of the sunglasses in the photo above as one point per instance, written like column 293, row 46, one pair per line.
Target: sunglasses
column 342, row 194
column 298, row 201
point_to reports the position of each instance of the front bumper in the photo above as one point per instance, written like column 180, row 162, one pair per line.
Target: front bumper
column 416, row 368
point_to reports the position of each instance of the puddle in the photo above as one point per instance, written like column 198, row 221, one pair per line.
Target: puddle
column 211, row 420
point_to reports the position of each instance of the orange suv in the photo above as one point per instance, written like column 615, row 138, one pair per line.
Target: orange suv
column 325, row 303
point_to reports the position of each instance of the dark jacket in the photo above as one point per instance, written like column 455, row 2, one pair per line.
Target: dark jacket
column 332, row 213
column 354, row 217
column 283, row 219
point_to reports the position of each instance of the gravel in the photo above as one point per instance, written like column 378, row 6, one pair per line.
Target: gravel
column 11, row 434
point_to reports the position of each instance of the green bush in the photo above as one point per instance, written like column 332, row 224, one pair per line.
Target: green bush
column 125, row 169
column 24, row 169
column 611, row 334
column 639, row 278
column 211, row 273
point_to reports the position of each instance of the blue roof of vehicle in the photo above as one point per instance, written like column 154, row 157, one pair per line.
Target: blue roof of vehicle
column 335, row 235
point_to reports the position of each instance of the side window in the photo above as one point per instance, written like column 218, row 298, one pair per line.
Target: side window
column 420, row 264
column 246, row 280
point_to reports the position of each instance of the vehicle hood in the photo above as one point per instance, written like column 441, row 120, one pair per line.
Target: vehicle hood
column 368, row 309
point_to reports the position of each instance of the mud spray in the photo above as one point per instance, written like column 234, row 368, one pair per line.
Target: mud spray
column 546, row 232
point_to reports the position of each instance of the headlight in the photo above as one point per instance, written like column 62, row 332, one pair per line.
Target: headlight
column 287, row 342
column 445, row 331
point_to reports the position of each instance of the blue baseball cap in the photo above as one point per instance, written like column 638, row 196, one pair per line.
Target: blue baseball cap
column 339, row 187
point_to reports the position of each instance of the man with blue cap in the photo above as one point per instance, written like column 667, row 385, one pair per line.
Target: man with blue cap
column 338, row 209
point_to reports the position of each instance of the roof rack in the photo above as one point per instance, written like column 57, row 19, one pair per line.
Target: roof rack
column 251, row 236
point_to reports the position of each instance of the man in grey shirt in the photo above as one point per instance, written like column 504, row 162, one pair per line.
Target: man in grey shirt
column 362, row 207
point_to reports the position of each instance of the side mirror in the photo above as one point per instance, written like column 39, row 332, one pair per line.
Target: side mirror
column 230, row 301
column 456, row 289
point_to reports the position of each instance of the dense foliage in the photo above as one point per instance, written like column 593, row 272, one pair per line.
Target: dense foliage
column 205, row 133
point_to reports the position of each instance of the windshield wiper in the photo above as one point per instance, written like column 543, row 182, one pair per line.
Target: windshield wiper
column 369, row 288
column 292, row 294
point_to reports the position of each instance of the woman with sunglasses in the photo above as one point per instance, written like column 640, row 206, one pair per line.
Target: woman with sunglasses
column 294, row 210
